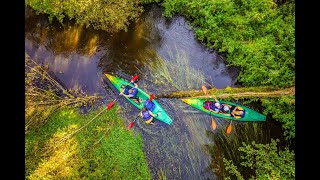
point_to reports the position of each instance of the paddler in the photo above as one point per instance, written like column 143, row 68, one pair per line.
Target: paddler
column 147, row 116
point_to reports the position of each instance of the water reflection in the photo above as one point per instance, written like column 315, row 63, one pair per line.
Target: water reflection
column 79, row 57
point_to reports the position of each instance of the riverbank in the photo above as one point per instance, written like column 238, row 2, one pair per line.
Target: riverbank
column 104, row 149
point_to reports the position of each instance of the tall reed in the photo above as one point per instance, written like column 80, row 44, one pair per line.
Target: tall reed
column 175, row 72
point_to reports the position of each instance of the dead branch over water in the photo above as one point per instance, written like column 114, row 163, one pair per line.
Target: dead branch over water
column 44, row 95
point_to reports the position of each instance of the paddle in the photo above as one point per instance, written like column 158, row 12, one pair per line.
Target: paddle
column 151, row 97
column 229, row 127
column 131, row 123
column 213, row 123
column 112, row 103
column 134, row 78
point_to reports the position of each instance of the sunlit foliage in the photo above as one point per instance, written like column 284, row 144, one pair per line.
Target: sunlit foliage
column 256, row 35
column 267, row 161
column 62, row 161
column 283, row 110
column 111, row 15
column 105, row 149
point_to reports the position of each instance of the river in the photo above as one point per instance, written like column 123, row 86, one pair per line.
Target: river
column 166, row 56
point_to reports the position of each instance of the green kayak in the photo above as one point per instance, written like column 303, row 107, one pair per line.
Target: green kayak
column 250, row 115
column 162, row 115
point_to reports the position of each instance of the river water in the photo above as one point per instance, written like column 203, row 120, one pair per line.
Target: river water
column 166, row 56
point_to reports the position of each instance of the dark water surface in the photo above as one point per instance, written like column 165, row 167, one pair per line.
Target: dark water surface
column 167, row 57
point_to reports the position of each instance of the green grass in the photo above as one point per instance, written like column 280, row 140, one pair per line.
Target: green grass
column 104, row 149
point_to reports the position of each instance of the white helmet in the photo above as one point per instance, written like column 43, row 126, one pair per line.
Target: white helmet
column 226, row 108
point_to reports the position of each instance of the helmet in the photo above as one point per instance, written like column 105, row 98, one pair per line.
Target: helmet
column 217, row 104
column 226, row 108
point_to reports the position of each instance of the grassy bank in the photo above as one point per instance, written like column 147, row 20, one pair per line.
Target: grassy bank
column 104, row 149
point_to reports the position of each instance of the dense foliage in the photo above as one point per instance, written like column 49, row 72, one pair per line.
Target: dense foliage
column 104, row 149
column 267, row 161
column 111, row 15
column 283, row 110
column 257, row 35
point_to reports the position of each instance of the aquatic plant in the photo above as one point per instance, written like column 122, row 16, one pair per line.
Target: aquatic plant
column 175, row 72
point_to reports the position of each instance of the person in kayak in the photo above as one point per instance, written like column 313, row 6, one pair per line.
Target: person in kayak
column 238, row 112
column 226, row 109
column 215, row 107
column 147, row 116
column 149, row 105
column 131, row 92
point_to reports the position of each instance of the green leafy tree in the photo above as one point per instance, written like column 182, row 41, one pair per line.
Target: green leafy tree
column 267, row 161
column 108, row 15
column 283, row 110
column 256, row 35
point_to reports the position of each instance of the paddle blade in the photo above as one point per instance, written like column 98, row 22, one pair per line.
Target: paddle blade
column 229, row 129
column 110, row 104
column 151, row 97
column 131, row 125
column 204, row 89
column 213, row 124
column 134, row 78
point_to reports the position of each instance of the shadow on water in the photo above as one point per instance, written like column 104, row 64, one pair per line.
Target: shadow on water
column 166, row 56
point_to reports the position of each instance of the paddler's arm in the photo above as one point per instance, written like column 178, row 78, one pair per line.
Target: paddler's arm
column 235, row 109
column 153, row 114
column 233, row 115
column 133, row 83
column 212, row 110
column 128, row 96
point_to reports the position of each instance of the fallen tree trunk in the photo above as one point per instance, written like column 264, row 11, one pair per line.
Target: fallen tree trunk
column 232, row 92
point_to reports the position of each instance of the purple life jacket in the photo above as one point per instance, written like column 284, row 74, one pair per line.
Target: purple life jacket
column 146, row 115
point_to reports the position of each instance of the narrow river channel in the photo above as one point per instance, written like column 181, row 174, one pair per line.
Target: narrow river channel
column 167, row 57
